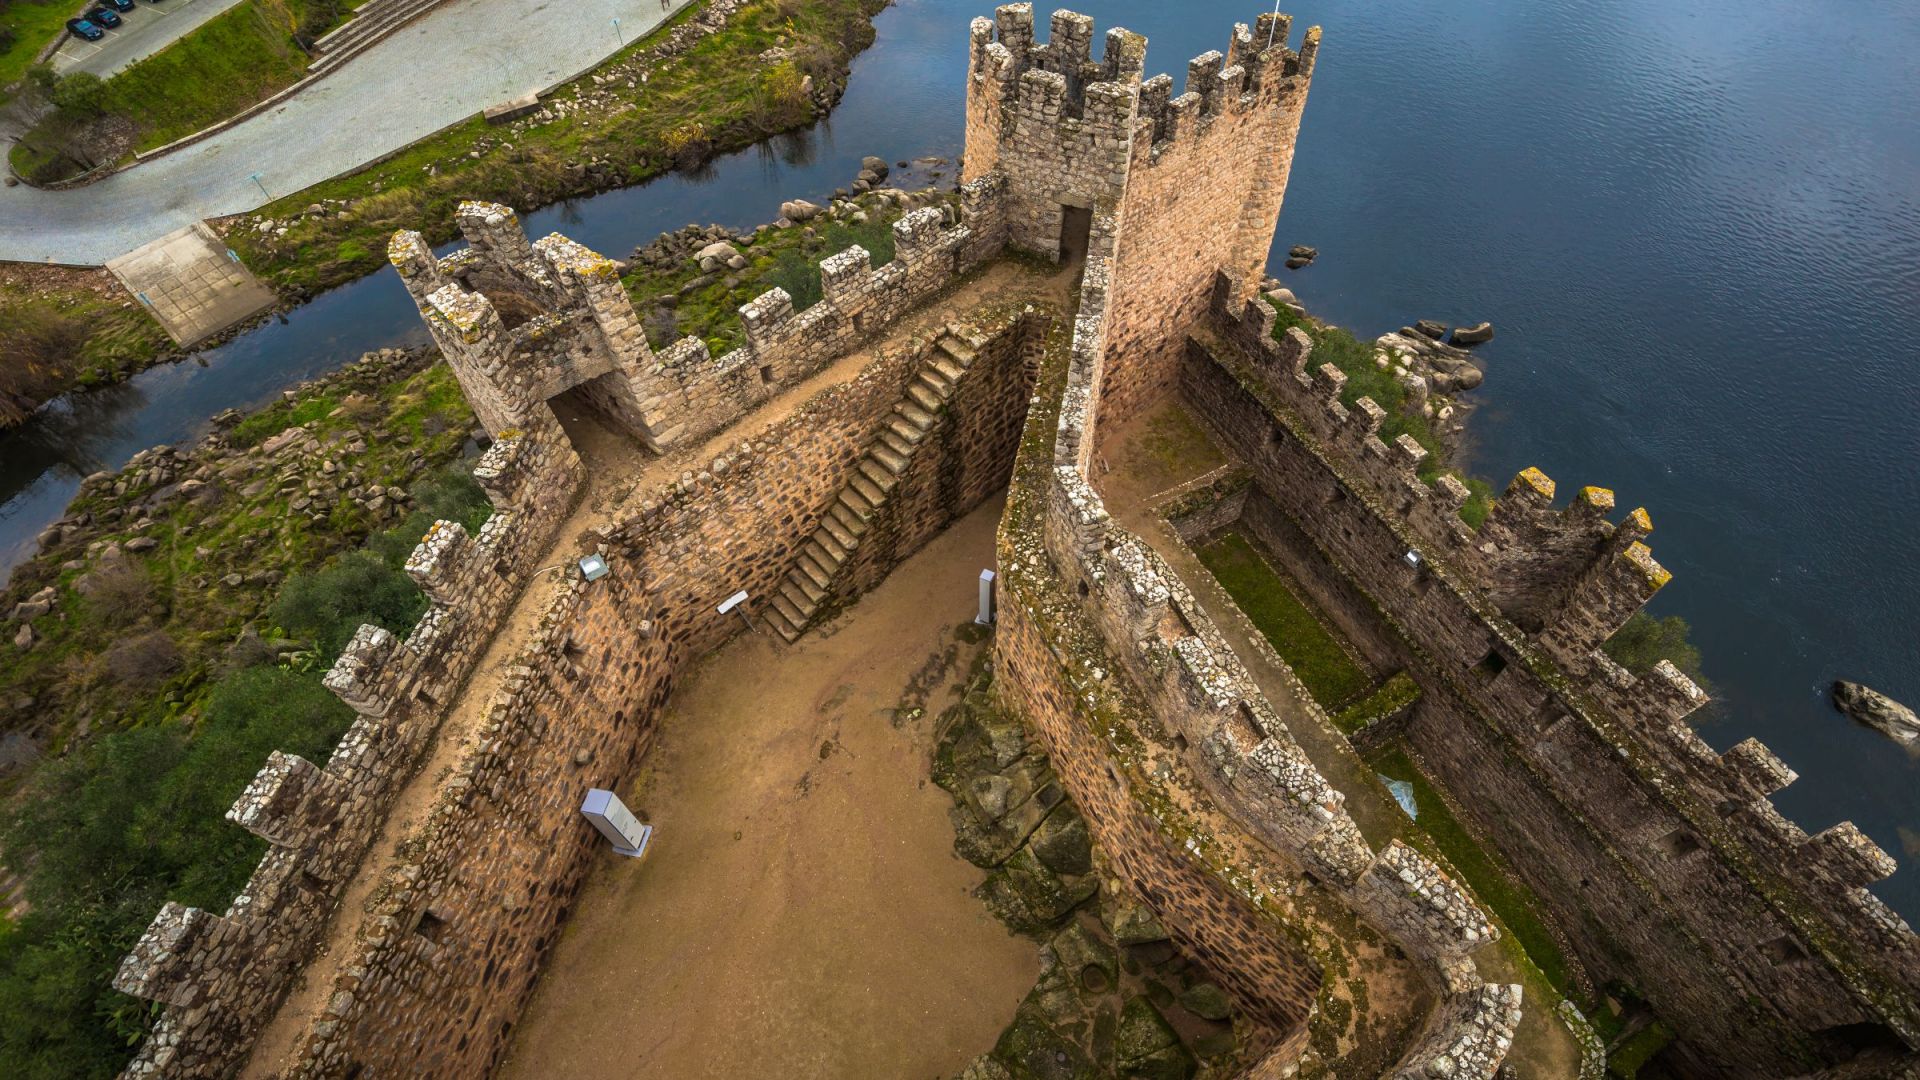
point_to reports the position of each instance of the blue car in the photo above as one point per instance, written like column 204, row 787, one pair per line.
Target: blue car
column 81, row 28
column 118, row 5
column 101, row 15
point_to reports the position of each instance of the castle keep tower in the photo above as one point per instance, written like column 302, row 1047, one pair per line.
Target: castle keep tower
column 1192, row 183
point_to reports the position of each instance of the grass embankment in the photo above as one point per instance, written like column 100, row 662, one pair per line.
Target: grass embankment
column 1354, row 358
column 716, row 96
column 25, row 28
column 186, row 686
column 235, row 59
column 1294, row 629
column 81, row 332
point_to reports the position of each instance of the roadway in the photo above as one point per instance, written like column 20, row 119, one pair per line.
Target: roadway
column 145, row 30
column 444, row 67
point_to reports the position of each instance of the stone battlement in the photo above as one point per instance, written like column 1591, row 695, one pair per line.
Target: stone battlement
column 1245, row 758
column 524, row 322
column 221, row 976
column 1519, row 607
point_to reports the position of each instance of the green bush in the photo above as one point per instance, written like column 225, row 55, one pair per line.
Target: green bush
column 327, row 605
column 111, row 833
column 1645, row 641
column 81, row 94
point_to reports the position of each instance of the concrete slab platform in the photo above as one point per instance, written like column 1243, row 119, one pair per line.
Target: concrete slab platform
column 192, row 283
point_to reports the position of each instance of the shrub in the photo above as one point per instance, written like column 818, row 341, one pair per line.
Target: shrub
column 81, row 94
column 118, row 594
column 687, row 144
column 43, row 76
column 1645, row 641
column 144, row 661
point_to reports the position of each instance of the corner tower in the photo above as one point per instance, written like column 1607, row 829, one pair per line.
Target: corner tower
column 1191, row 184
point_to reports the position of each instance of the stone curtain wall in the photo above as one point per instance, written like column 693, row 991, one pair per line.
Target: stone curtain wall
column 574, row 325
column 1085, row 597
column 1663, row 859
column 1204, row 187
column 467, row 921
column 220, row 977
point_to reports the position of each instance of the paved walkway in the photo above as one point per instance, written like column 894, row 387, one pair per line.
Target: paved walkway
column 192, row 283
column 445, row 67
column 143, row 31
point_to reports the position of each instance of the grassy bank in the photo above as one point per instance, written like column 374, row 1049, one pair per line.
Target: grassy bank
column 1354, row 358
column 25, row 28
column 237, row 58
column 171, row 681
column 715, row 96
column 77, row 330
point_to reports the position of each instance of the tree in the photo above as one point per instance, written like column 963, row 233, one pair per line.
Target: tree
column 81, row 94
column 1645, row 641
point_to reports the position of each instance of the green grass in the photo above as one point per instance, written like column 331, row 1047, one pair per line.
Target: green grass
column 783, row 258
column 1294, row 629
column 49, row 342
column 1631, row 1056
column 30, row 24
column 715, row 97
column 1354, row 358
column 1391, row 696
column 1491, row 882
column 237, row 58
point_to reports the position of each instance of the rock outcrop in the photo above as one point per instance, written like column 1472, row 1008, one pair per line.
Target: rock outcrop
column 1877, row 711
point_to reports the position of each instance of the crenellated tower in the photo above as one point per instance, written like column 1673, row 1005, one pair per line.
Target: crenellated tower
column 1192, row 182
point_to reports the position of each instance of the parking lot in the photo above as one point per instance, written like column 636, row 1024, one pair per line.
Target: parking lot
column 145, row 30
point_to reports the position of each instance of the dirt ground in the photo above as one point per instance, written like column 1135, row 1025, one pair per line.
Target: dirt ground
column 801, row 912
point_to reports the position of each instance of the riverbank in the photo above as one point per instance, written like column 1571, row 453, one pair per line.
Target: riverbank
column 714, row 79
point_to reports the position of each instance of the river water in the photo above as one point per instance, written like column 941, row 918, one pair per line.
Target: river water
column 1696, row 227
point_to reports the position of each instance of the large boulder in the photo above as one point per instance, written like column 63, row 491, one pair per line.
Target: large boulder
column 1877, row 711
column 715, row 256
column 799, row 210
column 874, row 165
column 1473, row 335
column 1432, row 329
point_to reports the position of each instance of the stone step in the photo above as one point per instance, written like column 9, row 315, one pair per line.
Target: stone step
column 786, row 613
column 853, row 523
column 948, row 369
column 933, row 379
column 856, row 506
column 924, row 397
column 803, row 606
column 825, row 559
column 904, row 427
column 834, row 527
column 830, row 544
column 959, row 350
column 809, row 572
column 895, row 443
column 867, row 490
column 915, row 415
column 895, row 463
column 878, row 476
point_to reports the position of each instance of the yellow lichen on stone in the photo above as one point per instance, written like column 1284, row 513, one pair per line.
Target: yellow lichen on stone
column 1641, row 520
column 1532, row 477
column 1597, row 497
column 1641, row 556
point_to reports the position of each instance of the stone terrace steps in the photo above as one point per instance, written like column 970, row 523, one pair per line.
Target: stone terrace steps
column 372, row 22
column 874, row 478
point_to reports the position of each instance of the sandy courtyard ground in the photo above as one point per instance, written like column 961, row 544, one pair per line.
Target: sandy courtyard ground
column 801, row 913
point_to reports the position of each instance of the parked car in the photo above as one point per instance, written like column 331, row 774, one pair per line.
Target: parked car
column 101, row 15
column 118, row 5
column 81, row 28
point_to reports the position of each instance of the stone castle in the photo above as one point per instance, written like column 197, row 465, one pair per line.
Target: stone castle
column 1660, row 861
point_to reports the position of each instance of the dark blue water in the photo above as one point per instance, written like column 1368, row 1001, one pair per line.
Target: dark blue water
column 1696, row 227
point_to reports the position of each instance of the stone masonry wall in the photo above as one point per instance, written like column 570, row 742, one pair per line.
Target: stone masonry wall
column 1662, row 859
column 576, row 327
column 220, row 976
column 467, row 920
column 1204, row 186
column 1132, row 613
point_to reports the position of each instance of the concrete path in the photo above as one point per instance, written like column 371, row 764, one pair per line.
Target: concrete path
column 448, row 65
column 143, row 31
column 192, row 283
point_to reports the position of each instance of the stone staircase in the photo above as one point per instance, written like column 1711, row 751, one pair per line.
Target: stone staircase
column 373, row 21
column 874, row 478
